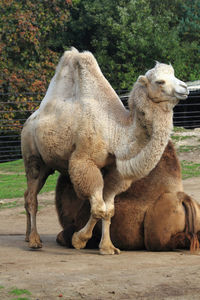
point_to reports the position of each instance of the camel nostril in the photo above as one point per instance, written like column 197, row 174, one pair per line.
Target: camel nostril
column 183, row 86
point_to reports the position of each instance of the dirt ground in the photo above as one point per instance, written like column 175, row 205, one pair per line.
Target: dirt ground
column 55, row 272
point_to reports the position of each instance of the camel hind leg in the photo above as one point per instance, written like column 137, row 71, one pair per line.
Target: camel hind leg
column 37, row 173
column 114, row 184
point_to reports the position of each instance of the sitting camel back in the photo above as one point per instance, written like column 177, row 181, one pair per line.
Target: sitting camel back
column 82, row 126
column 153, row 214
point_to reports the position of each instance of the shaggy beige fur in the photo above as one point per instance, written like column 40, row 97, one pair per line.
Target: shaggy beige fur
column 153, row 214
column 82, row 126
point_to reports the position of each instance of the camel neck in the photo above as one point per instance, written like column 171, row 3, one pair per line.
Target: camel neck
column 140, row 159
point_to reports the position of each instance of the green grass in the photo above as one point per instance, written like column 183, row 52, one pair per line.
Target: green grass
column 13, row 184
column 179, row 129
column 190, row 169
column 186, row 148
column 9, row 204
column 21, row 298
column 19, row 292
column 178, row 138
column 16, row 166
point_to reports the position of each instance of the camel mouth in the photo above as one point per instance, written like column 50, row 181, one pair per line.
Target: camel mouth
column 181, row 96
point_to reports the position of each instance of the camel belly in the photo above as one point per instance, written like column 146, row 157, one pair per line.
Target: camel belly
column 54, row 144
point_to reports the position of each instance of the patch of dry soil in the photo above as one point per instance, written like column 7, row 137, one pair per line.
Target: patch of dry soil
column 58, row 273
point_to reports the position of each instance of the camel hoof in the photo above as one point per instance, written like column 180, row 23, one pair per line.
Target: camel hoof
column 78, row 242
column 34, row 245
column 35, row 241
column 60, row 239
column 109, row 250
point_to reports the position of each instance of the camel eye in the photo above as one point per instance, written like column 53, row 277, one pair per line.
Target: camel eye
column 160, row 82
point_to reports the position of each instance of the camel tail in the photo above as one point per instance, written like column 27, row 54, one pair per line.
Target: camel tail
column 190, row 221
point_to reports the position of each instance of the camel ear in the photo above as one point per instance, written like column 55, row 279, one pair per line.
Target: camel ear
column 143, row 79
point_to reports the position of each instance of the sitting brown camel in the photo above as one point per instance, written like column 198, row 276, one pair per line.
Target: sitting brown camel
column 82, row 126
column 153, row 214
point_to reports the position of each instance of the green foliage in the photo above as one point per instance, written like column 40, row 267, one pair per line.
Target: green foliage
column 188, row 56
column 31, row 37
column 31, row 41
column 127, row 36
column 120, row 34
column 189, row 25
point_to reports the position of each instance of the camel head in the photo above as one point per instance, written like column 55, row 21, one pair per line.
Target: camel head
column 163, row 86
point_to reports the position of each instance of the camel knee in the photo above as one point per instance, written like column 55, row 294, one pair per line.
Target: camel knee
column 98, row 209
column 32, row 166
column 31, row 203
column 110, row 210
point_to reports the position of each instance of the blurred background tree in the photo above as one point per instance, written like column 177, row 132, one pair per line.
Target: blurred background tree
column 126, row 37
column 31, row 38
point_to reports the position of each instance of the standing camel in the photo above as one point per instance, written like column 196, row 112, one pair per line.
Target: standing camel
column 81, row 126
column 153, row 214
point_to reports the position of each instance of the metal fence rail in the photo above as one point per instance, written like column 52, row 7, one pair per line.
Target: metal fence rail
column 186, row 114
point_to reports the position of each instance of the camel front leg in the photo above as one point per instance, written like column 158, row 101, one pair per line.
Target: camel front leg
column 114, row 184
column 106, row 246
column 80, row 238
column 88, row 182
